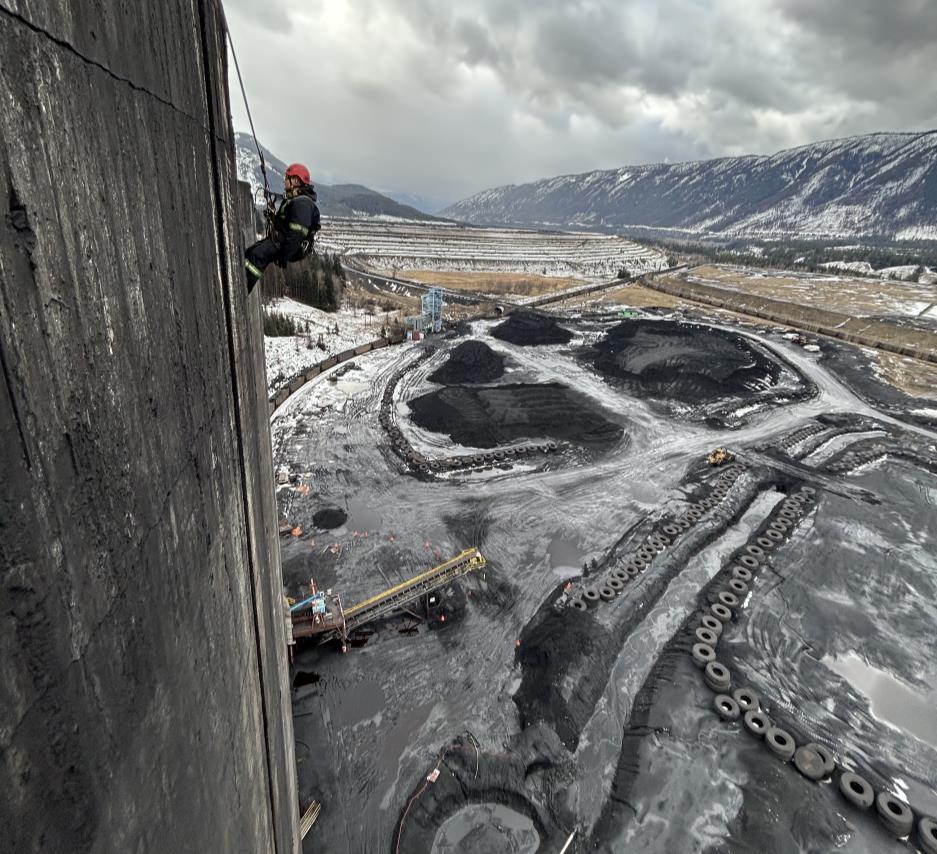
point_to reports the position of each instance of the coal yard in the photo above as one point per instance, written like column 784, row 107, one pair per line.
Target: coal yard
column 657, row 652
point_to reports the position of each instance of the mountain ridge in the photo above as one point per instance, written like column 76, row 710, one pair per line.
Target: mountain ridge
column 881, row 185
column 344, row 200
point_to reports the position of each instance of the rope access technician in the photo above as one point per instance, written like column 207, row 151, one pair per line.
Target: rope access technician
column 291, row 228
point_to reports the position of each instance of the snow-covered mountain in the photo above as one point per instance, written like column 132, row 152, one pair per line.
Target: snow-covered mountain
column 879, row 186
column 248, row 164
column 347, row 200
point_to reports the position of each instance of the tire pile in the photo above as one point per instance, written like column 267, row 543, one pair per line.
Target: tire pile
column 793, row 439
column 656, row 542
column 814, row 761
column 417, row 462
column 867, row 451
column 852, row 459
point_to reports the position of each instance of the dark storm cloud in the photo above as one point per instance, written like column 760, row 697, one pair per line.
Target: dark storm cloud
column 449, row 98
column 475, row 44
column 866, row 47
column 869, row 24
column 585, row 46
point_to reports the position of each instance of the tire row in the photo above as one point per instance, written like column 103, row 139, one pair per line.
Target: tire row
column 791, row 440
column 613, row 583
column 814, row 761
column 423, row 465
column 852, row 459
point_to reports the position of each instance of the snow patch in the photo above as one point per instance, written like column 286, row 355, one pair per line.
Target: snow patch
column 337, row 331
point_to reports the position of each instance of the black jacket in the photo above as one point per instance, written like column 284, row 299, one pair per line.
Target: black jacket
column 296, row 221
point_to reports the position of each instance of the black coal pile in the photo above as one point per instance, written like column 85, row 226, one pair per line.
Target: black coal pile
column 689, row 364
column 329, row 517
column 497, row 415
column 470, row 362
column 529, row 328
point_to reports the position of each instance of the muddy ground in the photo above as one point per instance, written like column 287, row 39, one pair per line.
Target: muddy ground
column 543, row 720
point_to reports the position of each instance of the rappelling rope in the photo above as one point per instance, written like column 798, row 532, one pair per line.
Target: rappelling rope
column 247, row 106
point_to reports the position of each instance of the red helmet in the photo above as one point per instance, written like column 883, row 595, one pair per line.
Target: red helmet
column 297, row 170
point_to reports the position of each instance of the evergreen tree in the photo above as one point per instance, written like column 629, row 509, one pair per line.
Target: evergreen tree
column 313, row 281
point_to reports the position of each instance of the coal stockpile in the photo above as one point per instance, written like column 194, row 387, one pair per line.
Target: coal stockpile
column 492, row 416
column 689, row 364
column 528, row 328
column 329, row 517
column 470, row 362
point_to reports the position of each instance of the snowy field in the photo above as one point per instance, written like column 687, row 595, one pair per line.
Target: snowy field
column 860, row 297
column 337, row 331
column 902, row 273
column 386, row 243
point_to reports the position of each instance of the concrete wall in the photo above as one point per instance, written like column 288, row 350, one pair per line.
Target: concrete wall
column 144, row 702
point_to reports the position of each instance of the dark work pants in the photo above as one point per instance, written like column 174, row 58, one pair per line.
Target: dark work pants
column 257, row 258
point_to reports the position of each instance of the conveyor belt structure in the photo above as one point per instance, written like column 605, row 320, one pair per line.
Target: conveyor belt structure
column 409, row 591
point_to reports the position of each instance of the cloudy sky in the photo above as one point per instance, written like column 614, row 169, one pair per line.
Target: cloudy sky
column 445, row 99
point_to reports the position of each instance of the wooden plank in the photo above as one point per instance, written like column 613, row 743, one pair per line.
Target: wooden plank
column 309, row 818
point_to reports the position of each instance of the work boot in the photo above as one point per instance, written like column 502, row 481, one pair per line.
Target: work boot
column 253, row 274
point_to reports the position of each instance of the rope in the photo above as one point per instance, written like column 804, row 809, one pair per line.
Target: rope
column 247, row 106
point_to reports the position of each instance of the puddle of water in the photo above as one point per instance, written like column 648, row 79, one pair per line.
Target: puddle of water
column 890, row 700
column 483, row 828
column 361, row 517
column 565, row 553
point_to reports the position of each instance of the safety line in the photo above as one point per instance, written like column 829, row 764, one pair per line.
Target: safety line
column 247, row 106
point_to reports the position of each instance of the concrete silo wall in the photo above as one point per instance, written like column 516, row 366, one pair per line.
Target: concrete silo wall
column 144, row 702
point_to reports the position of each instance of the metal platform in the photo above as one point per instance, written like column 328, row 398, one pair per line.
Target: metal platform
column 331, row 621
column 320, row 614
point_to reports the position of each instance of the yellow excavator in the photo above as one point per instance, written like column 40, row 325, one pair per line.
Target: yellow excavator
column 720, row 456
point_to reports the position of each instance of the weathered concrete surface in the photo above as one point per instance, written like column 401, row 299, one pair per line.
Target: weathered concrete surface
column 143, row 690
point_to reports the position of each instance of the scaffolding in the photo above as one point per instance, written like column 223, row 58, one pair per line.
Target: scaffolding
column 431, row 306
column 432, row 303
